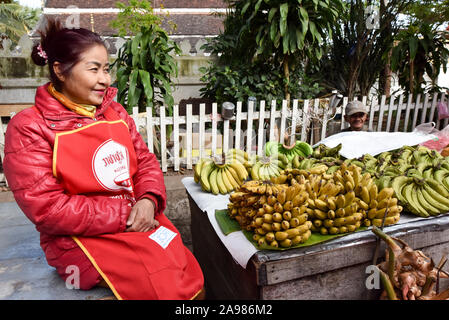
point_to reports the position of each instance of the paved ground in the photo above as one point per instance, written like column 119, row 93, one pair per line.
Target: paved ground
column 24, row 272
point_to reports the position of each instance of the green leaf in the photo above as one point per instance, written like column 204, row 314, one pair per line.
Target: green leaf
column 271, row 13
column 273, row 30
column 283, row 20
column 245, row 7
column 285, row 43
column 256, row 7
column 132, row 91
column 146, row 82
column 413, row 45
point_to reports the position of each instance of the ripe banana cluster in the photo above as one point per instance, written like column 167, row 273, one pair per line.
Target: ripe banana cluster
column 265, row 168
column 276, row 213
column 299, row 148
column 344, row 200
column 220, row 178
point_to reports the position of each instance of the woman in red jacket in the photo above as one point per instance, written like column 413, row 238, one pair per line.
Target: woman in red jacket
column 83, row 175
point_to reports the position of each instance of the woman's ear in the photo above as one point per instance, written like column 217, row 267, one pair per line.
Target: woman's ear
column 58, row 71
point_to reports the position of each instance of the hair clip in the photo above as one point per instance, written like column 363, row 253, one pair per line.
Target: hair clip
column 42, row 53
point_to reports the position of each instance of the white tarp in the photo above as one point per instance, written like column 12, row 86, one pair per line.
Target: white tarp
column 356, row 144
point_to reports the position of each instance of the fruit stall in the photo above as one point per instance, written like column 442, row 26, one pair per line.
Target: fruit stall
column 343, row 219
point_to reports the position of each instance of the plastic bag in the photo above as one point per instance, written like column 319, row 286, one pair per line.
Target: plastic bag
column 442, row 136
column 443, row 113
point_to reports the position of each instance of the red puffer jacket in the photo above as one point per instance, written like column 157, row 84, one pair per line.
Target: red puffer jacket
column 57, row 215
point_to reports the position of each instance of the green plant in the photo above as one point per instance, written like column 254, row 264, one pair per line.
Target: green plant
column 144, row 68
column 134, row 16
column 145, row 63
column 247, row 65
column 16, row 20
column 420, row 50
column 286, row 32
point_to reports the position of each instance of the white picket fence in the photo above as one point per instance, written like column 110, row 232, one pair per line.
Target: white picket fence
column 305, row 120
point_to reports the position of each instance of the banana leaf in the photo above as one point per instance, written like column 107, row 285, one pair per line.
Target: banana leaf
column 228, row 225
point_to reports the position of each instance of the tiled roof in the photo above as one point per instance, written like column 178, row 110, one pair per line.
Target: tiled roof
column 156, row 3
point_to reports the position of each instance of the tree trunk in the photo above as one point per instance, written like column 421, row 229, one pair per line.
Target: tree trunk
column 386, row 76
column 285, row 64
column 412, row 77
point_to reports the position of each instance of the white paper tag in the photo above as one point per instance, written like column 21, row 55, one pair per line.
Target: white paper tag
column 162, row 236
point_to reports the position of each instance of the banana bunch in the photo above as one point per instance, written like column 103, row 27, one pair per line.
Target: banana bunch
column 274, row 212
column 299, row 148
column 323, row 151
column 219, row 178
column 342, row 201
column 239, row 155
column 421, row 196
column 264, row 168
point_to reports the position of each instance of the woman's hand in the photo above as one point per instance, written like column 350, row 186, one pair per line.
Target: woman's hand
column 141, row 218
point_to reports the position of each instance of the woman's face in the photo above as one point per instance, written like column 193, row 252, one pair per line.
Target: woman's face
column 89, row 78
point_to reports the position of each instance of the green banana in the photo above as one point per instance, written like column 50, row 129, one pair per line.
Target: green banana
column 398, row 184
column 305, row 148
column 414, row 205
column 432, row 210
column 433, row 201
column 437, row 187
column 436, row 194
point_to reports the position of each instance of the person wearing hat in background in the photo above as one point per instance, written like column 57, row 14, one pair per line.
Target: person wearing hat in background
column 356, row 115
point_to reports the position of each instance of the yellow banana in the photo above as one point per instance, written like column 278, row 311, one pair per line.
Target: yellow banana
column 197, row 170
column 320, row 204
column 373, row 191
column 235, row 175
column 340, row 201
column 385, row 193
column 227, row 183
column 221, row 184
column 281, row 197
column 205, row 172
column 331, row 203
column 364, row 194
column 240, row 169
column 388, row 221
column 349, row 198
column 231, row 179
column 320, row 214
column 213, row 182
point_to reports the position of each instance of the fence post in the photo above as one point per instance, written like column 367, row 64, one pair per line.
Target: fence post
column 381, row 113
column 189, row 135
column 398, row 113
column 407, row 111
column 415, row 114
column 390, row 113
column 202, row 137
column 261, row 135
column 214, row 130
column 163, row 139
column 283, row 120
column 293, row 124
column 249, row 129
column 176, row 136
column 272, row 120
column 305, row 120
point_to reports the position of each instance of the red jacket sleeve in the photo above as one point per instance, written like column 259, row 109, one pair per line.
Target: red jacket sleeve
column 28, row 169
column 149, row 179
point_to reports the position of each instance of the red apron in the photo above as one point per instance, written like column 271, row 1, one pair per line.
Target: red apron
column 100, row 158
